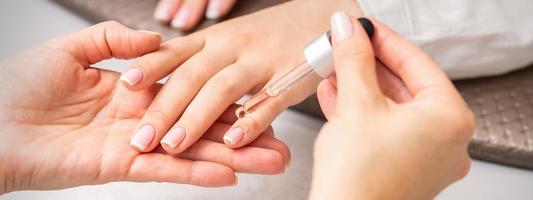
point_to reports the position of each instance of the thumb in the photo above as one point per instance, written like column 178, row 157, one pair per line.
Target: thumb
column 354, row 61
column 106, row 40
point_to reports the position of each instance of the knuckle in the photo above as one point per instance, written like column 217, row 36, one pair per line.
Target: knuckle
column 235, row 37
column 158, row 115
column 350, row 53
column 223, row 84
column 186, row 75
column 461, row 122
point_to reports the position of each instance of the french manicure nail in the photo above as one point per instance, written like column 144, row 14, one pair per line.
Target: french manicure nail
column 174, row 137
column 150, row 32
column 341, row 26
column 132, row 76
column 233, row 136
column 162, row 12
column 180, row 20
column 214, row 9
column 143, row 136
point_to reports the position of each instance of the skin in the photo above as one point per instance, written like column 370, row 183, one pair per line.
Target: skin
column 213, row 68
column 64, row 124
column 189, row 13
column 394, row 146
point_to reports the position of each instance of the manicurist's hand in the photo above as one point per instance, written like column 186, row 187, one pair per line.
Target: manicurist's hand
column 63, row 123
column 387, row 138
column 186, row 14
column 211, row 69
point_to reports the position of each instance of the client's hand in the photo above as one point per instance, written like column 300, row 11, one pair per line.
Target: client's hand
column 213, row 68
column 186, row 14
column 63, row 123
column 377, row 145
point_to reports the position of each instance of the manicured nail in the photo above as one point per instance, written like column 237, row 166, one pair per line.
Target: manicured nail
column 162, row 12
column 214, row 9
column 142, row 138
column 341, row 26
column 150, row 32
column 132, row 76
column 180, row 20
column 233, row 136
column 174, row 137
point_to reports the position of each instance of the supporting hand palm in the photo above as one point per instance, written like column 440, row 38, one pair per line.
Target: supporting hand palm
column 65, row 124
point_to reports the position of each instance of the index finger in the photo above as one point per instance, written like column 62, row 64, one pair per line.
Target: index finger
column 420, row 74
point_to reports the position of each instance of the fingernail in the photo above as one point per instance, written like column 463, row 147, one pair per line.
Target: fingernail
column 162, row 12
column 214, row 9
column 180, row 20
column 174, row 137
column 132, row 76
column 143, row 136
column 150, row 32
column 233, row 136
column 341, row 26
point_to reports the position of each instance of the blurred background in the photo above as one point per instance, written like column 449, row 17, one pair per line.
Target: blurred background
column 26, row 23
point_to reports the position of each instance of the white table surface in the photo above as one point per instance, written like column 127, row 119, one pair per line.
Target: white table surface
column 28, row 22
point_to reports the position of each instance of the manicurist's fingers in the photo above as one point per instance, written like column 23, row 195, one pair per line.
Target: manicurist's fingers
column 354, row 63
column 174, row 97
column 327, row 97
column 154, row 66
column 415, row 68
column 189, row 14
column 220, row 91
column 166, row 168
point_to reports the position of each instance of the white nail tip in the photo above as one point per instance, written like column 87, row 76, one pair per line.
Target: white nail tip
column 228, row 140
column 149, row 32
column 138, row 145
column 122, row 78
column 169, row 144
column 212, row 14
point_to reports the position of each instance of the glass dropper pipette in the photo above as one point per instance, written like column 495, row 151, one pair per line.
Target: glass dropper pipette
column 318, row 60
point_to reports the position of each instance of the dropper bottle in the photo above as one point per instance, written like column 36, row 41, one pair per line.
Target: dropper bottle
column 318, row 59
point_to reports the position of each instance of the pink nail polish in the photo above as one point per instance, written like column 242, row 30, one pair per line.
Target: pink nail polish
column 233, row 136
column 143, row 136
column 174, row 137
column 341, row 26
column 181, row 19
column 214, row 9
column 132, row 76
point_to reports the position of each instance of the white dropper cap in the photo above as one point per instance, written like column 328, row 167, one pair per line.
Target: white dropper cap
column 319, row 54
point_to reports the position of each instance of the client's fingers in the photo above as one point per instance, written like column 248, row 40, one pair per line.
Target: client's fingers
column 166, row 9
column 247, row 159
column 154, row 66
column 173, row 98
column 220, row 91
column 265, row 140
column 218, row 8
column 189, row 14
column 166, row 168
